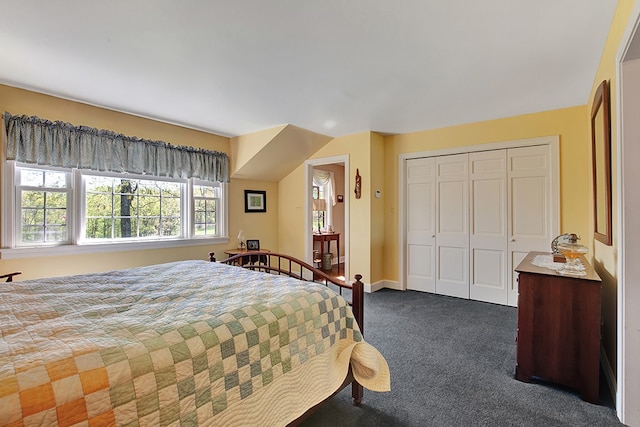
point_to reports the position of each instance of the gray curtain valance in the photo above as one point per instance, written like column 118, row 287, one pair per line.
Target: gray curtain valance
column 37, row 141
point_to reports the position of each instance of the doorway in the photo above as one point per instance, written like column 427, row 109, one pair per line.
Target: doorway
column 333, row 235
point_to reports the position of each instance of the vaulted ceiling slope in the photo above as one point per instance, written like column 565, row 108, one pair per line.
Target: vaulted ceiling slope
column 333, row 67
column 272, row 154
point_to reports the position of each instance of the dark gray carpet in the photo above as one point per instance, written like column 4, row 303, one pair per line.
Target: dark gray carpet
column 452, row 363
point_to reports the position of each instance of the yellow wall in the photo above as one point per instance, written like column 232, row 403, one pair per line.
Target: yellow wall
column 568, row 123
column 605, row 257
column 374, row 222
column 377, row 207
column 291, row 222
column 291, row 218
column 262, row 226
column 255, row 225
column 18, row 101
column 244, row 147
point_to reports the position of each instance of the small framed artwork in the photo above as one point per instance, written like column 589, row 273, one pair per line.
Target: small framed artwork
column 340, row 198
column 253, row 245
column 255, row 201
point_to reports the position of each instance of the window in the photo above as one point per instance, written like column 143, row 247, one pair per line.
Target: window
column 206, row 200
column 319, row 207
column 58, row 207
column 123, row 208
column 43, row 198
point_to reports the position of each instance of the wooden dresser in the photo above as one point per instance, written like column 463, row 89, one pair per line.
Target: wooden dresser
column 559, row 327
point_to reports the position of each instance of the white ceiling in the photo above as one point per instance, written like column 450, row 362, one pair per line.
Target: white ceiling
column 334, row 67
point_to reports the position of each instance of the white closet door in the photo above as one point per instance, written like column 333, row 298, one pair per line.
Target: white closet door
column 452, row 232
column 530, row 215
column 421, row 225
column 488, row 226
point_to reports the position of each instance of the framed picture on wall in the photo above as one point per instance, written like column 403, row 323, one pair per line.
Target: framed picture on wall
column 255, row 201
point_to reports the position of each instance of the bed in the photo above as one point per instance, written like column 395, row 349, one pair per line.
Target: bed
column 181, row 343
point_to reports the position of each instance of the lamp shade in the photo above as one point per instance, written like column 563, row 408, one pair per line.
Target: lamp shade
column 319, row 205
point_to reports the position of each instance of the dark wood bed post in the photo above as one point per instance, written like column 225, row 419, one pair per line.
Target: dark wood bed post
column 358, row 301
column 357, row 298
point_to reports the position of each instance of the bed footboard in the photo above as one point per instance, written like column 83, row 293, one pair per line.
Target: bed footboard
column 275, row 263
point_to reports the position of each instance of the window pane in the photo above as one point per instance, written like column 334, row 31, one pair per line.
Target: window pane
column 33, row 199
column 56, row 233
column 149, row 226
column 200, row 229
column 199, row 218
column 125, row 227
column 170, row 189
column 149, row 205
column 54, row 179
column 205, row 191
column 125, row 205
column 42, row 214
column 31, row 178
column 99, row 228
column 99, row 184
column 42, row 178
column 171, row 226
column 32, row 233
column 205, row 205
column 56, row 200
column 171, row 206
column 32, row 216
column 99, row 204
column 56, row 216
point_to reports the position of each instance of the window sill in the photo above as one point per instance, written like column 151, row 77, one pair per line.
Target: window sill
column 106, row 247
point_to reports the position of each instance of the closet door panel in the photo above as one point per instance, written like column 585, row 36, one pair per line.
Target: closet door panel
column 488, row 226
column 488, row 274
column 530, row 221
column 452, row 230
column 421, row 224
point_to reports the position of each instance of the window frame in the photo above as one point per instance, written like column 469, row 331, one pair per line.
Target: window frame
column 221, row 206
column 76, row 203
column 17, row 210
column 81, row 237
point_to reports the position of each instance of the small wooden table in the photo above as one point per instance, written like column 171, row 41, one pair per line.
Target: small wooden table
column 328, row 238
column 248, row 258
column 558, row 327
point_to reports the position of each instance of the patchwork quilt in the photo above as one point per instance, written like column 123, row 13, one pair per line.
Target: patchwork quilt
column 183, row 343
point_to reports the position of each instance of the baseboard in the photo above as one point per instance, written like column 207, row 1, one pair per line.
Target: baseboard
column 386, row 284
column 610, row 376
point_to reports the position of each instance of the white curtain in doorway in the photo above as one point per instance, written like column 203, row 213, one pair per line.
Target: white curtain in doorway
column 326, row 180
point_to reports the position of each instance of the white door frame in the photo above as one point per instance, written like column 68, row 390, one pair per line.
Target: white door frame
column 308, row 209
column 627, row 389
column 553, row 141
